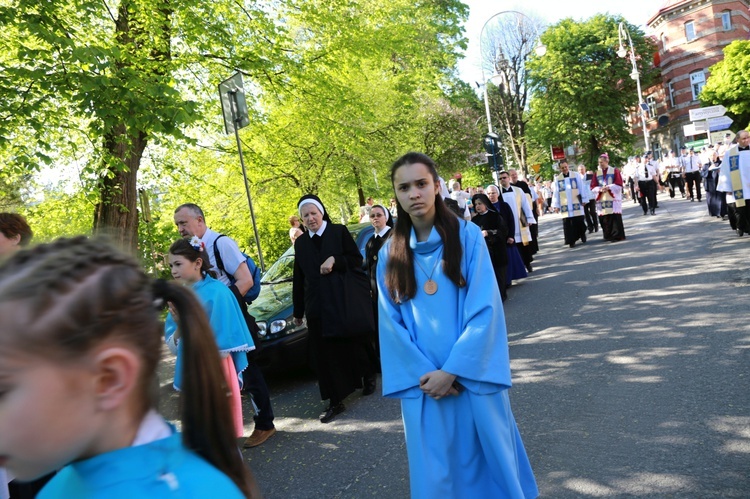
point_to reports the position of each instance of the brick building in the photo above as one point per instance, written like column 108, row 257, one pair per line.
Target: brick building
column 690, row 35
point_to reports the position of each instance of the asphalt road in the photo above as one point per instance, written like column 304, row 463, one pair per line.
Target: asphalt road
column 630, row 369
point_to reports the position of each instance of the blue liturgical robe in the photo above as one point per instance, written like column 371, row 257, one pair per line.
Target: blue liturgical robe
column 230, row 329
column 159, row 469
column 466, row 445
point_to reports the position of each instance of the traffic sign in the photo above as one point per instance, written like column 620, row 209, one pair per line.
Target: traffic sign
column 692, row 129
column 703, row 113
column 701, row 126
column 558, row 153
column 720, row 123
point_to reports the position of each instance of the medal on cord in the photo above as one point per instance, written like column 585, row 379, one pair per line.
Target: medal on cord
column 430, row 287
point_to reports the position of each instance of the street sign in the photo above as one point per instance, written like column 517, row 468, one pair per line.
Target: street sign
column 692, row 129
column 701, row 126
column 696, row 144
column 703, row 113
column 720, row 123
column 558, row 152
column 233, row 103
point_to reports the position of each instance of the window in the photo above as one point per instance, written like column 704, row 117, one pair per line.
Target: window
column 670, row 89
column 690, row 31
column 726, row 20
column 651, row 102
column 656, row 148
column 663, row 38
column 697, row 80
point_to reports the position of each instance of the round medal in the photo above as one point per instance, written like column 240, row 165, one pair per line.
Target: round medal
column 430, row 287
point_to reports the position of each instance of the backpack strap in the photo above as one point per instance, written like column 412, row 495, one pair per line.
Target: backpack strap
column 217, row 256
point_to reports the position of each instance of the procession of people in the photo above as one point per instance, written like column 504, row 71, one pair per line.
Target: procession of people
column 430, row 318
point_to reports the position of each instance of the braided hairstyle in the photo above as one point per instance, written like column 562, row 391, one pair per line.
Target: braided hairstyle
column 71, row 295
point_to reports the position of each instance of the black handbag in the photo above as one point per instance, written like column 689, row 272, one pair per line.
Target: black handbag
column 357, row 317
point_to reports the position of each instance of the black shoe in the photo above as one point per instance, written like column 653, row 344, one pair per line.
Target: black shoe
column 596, row 229
column 370, row 384
column 528, row 268
column 645, row 212
column 653, row 212
column 740, row 233
column 583, row 238
column 331, row 412
column 572, row 245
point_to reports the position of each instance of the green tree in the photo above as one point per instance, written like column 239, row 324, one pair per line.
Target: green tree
column 729, row 83
column 336, row 91
column 583, row 89
column 119, row 77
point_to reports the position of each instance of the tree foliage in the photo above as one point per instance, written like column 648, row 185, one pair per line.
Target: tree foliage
column 336, row 89
column 583, row 90
column 729, row 83
column 115, row 75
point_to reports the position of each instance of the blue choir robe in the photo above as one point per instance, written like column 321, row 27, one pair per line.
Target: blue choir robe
column 230, row 329
column 466, row 445
column 160, row 469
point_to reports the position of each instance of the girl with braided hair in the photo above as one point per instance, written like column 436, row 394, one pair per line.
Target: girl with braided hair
column 80, row 341
column 189, row 265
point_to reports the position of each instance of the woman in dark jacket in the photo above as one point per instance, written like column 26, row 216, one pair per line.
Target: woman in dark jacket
column 322, row 256
column 495, row 232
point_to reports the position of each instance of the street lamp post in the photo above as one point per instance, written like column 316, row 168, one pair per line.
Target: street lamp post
column 540, row 51
column 623, row 32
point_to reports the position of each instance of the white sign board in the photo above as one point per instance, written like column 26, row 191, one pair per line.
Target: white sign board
column 701, row 126
column 691, row 129
column 703, row 113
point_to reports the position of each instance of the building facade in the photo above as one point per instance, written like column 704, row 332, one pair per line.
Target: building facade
column 690, row 36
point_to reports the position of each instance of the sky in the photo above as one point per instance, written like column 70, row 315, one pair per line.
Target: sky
column 637, row 12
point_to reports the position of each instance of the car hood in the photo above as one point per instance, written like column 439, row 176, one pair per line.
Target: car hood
column 272, row 301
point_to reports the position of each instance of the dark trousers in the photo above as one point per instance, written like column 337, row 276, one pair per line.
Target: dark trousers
column 255, row 383
column 648, row 195
column 742, row 218
column 631, row 185
column 676, row 181
column 694, row 178
column 592, row 221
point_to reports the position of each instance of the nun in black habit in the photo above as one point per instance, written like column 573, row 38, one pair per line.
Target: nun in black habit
column 382, row 222
column 495, row 232
column 322, row 256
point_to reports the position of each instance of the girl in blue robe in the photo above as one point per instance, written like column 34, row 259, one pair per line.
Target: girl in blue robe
column 189, row 265
column 80, row 343
column 444, row 348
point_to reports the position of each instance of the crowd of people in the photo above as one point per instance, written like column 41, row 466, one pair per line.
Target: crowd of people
column 81, row 335
column 719, row 171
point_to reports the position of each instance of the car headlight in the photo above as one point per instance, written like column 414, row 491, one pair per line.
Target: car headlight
column 277, row 326
column 262, row 329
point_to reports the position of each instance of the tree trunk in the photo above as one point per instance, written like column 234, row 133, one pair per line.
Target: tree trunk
column 116, row 214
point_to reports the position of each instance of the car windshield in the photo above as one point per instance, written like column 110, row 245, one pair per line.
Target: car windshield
column 282, row 270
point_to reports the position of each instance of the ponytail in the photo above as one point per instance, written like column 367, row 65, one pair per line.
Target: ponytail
column 205, row 414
